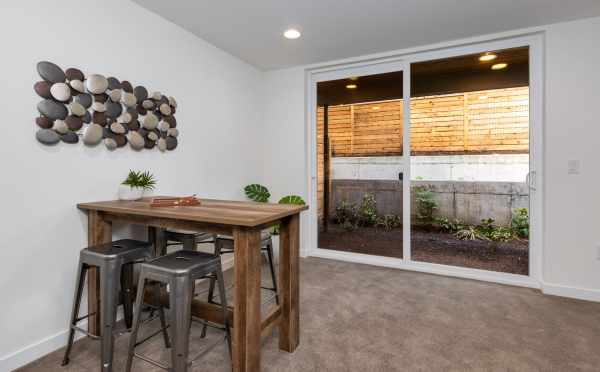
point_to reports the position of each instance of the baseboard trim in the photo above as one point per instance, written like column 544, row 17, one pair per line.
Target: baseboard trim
column 37, row 350
column 586, row 294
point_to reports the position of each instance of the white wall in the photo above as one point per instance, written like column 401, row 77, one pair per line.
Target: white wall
column 480, row 168
column 572, row 112
column 220, row 107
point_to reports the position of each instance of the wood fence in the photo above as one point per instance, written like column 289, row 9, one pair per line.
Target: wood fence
column 482, row 122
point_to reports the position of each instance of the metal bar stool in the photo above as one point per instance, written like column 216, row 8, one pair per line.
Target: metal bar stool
column 115, row 262
column 179, row 270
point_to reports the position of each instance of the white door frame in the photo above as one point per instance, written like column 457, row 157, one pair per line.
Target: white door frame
column 401, row 61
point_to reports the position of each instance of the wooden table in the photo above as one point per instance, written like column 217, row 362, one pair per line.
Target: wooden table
column 242, row 220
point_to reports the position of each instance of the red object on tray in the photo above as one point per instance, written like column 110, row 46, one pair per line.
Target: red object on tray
column 175, row 202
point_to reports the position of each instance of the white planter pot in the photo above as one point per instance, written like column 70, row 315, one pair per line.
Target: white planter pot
column 130, row 193
column 275, row 240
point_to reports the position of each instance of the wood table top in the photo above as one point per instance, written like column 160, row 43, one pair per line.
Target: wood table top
column 223, row 212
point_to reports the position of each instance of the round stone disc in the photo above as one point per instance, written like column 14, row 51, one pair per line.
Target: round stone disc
column 100, row 98
column 113, row 109
column 99, row 118
column 77, row 109
column 136, row 141
column 52, row 109
column 140, row 93
column 133, row 125
column 43, row 122
column 124, row 118
column 47, row 136
column 171, row 143
column 150, row 121
column 110, row 143
column 148, row 104
column 128, row 99
column 162, row 144
column 42, row 88
column 87, row 118
column 70, row 137
column 99, row 106
column 133, row 112
column 84, row 100
column 113, row 83
column 92, row 135
column 74, row 74
column 77, row 85
column 165, row 109
column 60, row 92
column 117, row 128
column 126, row 86
column 120, row 139
column 148, row 143
column 172, row 102
column 60, row 127
column 74, row 122
column 114, row 95
column 171, row 120
column 96, row 84
column 51, row 72
column 173, row 132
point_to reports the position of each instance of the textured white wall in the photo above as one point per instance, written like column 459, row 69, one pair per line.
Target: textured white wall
column 481, row 168
column 220, row 107
column 570, row 255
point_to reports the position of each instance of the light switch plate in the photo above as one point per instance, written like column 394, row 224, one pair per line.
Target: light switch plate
column 573, row 166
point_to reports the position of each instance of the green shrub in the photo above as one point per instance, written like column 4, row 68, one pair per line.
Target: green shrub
column 520, row 222
column 389, row 222
column 426, row 205
column 346, row 215
column 367, row 212
column 467, row 233
column 490, row 231
column 449, row 226
column 257, row 193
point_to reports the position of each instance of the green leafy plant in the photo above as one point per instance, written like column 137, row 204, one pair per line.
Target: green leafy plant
column 520, row 222
column 426, row 205
column 346, row 215
column 288, row 199
column 292, row 199
column 467, row 233
column 144, row 180
column 257, row 193
column 488, row 229
column 389, row 222
column 449, row 226
column 367, row 211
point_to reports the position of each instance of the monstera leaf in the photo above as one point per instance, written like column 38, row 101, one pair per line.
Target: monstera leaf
column 292, row 199
column 257, row 192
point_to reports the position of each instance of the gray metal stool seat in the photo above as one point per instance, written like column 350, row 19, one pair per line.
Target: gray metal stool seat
column 115, row 262
column 179, row 270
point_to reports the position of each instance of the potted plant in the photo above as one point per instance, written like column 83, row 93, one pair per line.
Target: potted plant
column 135, row 184
column 289, row 199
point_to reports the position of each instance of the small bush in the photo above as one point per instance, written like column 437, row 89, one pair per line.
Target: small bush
column 520, row 222
column 389, row 222
column 367, row 212
column 449, row 226
column 346, row 215
column 467, row 233
column 426, row 205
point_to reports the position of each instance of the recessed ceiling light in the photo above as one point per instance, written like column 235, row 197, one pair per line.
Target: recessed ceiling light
column 291, row 34
column 488, row 57
column 499, row 66
column 351, row 86
column 353, row 78
column 376, row 107
column 483, row 97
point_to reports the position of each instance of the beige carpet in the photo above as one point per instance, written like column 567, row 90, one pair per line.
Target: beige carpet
column 364, row 318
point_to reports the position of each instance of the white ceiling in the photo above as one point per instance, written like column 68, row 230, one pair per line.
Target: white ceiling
column 333, row 29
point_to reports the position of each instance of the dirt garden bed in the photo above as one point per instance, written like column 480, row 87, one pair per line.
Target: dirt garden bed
column 431, row 246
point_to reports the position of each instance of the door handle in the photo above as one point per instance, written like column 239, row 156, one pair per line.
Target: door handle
column 530, row 180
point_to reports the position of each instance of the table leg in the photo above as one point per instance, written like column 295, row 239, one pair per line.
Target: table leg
column 246, row 316
column 99, row 232
column 157, row 237
column 289, row 278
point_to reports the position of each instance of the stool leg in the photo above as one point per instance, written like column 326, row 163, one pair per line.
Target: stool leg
column 180, row 303
column 81, row 271
column 136, row 320
column 161, row 314
column 110, row 275
column 211, row 288
column 273, row 275
column 221, row 282
column 127, row 294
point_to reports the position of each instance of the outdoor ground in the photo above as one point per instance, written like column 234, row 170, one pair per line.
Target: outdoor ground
column 431, row 246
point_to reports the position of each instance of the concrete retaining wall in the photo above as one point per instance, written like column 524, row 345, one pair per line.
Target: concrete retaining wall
column 468, row 201
column 493, row 167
